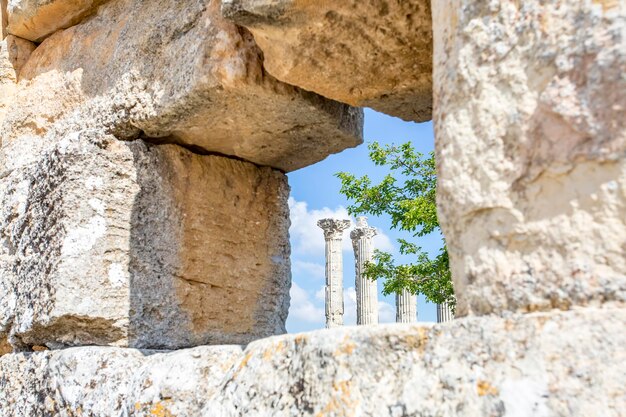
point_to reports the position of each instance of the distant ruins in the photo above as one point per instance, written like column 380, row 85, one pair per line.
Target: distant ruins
column 144, row 224
column 366, row 289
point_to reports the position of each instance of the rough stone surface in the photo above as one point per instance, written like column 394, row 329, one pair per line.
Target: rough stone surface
column 110, row 242
column 530, row 102
column 366, row 53
column 36, row 19
column 4, row 20
column 183, row 75
column 542, row 364
column 97, row 381
column 14, row 53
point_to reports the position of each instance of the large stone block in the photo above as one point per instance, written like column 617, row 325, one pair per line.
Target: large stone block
column 14, row 52
column 109, row 242
column 36, row 19
column 183, row 75
column 4, row 20
column 366, row 53
column 530, row 111
column 96, row 381
column 558, row 364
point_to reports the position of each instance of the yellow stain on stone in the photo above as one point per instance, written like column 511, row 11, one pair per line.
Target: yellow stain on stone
column 300, row 339
column 244, row 361
column 160, row 410
column 417, row 341
column 242, row 364
column 274, row 349
column 342, row 403
column 346, row 347
column 485, row 388
column 607, row 4
column 39, row 348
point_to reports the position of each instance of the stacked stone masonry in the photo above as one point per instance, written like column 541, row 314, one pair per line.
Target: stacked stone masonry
column 184, row 75
column 143, row 204
column 143, row 199
column 542, row 364
column 366, row 53
column 36, row 19
column 131, row 244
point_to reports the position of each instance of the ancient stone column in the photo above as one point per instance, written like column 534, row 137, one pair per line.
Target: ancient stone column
column 406, row 307
column 366, row 289
column 444, row 313
column 333, row 234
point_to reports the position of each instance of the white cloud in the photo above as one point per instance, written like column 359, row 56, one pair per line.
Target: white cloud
column 309, row 308
column 386, row 312
column 320, row 295
column 308, row 239
column 303, row 309
column 382, row 242
column 308, row 269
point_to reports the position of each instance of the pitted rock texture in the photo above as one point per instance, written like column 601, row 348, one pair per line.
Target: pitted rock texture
column 366, row 53
column 36, row 19
column 184, row 75
column 109, row 242
column 97, row 381
column 530, row 116
column 14, row 52
column 4, row 19
column 569, row 364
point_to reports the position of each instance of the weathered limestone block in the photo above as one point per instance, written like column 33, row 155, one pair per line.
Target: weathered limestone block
column 14, row 52
column 36, row 19
column 97, row 381
column 366, row 53
column 120, row 243
column 569, row 364
column 4, row 21
column 183, row 75
column 530, row 111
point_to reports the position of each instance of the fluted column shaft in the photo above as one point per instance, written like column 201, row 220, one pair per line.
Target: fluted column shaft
column 366, row 289
column 333, row 234
column 406, row 307
column 444, row 313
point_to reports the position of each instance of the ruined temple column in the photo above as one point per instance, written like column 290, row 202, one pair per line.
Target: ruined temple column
column 333, row 234
column 406, row 307
column 444, row 313
column 366, row 289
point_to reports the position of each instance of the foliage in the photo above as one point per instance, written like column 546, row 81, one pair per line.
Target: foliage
column 408, row 195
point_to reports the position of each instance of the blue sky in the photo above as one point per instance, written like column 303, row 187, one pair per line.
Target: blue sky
column 315, row 194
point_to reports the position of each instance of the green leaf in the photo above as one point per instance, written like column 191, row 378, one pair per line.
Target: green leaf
column 407, row 194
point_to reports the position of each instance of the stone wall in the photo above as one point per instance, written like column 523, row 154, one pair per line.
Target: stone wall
column 531, row 138
column 144, row 200
column 143, row 205
column 131, row 244
column 541, row 364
